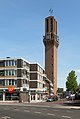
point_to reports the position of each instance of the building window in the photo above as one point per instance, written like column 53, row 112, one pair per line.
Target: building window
column 24, row 81
column 1, row 82
column 10, row 82
column 47, row 28
column 33, row 97
column 1, row 64
column 15, row 63
column 7, row 73
column 11, row 63
column 15, row 82
column 51, row 35
column 6, row 63
column 11, row 72
column 51, row 24
column 2, row 73
column 7, row 82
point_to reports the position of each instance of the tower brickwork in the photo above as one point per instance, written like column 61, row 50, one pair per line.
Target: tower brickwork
column 51, row 44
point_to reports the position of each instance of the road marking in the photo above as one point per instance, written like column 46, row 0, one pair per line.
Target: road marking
column 33, row 108
column 5, row 117
column 16, row 109
column 6, row 108
column 38, row 106
column 26, row 111
column 70, row 111
column 56, row 110
column 66, row 117
column 44, row 109
column 50, row 114
column 37, row 112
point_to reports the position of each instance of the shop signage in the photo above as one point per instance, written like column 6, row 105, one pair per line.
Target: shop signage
column 11, row 89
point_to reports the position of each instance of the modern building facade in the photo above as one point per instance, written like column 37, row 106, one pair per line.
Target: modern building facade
column 15, row 73
column 51, row 44
column 22, row 81
column 39, row 83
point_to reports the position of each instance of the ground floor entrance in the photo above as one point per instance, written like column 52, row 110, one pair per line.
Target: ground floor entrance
column 37, row 96
column 5, row 95
column 17, row 95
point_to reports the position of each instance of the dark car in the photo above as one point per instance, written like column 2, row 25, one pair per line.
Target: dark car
column 51, row 99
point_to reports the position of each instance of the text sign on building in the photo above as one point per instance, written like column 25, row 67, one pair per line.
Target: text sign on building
column 11, row 89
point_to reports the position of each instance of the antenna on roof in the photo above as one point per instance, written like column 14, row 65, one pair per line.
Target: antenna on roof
column 50, row 11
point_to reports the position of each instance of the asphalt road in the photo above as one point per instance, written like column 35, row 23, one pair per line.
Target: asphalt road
column 33, row 112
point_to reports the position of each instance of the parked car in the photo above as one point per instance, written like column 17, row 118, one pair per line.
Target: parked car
column 77, row 96
column 51, row 99
column 70, row 97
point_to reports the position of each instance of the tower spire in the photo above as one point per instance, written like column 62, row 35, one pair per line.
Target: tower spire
column 50, row 11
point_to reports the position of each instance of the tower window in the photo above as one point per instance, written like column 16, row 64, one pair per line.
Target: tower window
column 51, row 35
column 51, row 24
column 47, row 25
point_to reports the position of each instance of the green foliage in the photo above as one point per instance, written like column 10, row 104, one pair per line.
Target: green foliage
column 60, row 90
column 71, row 83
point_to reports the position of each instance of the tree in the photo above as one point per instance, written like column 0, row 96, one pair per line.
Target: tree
column 71, row 83
column 60, row 90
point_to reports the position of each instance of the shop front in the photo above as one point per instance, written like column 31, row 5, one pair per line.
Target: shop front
column 36, row 96
column 5, row 95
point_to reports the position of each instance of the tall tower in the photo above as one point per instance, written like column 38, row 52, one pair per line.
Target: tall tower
column 51, row 44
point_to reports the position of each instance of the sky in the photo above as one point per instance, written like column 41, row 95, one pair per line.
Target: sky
column 22, row 27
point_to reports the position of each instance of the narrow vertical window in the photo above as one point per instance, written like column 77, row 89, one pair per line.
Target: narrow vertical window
column 51, row 35
column 56, row 27
column 12, row 62
column 51, row 24
column 7, row 63
column 12, row 81
column 47, row 25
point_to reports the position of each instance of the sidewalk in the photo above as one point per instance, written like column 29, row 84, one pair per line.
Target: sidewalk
column 55, row 104
column 58, row 104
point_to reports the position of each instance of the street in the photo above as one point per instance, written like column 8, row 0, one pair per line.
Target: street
column 37, row 112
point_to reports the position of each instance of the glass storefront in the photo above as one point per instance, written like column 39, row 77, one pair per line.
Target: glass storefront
column 13, row 96
column 1, row 96
column 9, row 96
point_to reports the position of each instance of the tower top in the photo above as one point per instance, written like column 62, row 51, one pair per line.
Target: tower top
column 51, row 30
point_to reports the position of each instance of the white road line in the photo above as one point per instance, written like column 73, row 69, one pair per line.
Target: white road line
column 70, row 111
column 6, row 109
column 5, row 117
column 26, row 111
column 56, row 110
column 66, row 117
column 44, row 109
column 37, row 112
column 33, row 108
column 38, row 106
column 16, row 109
column 50, row 114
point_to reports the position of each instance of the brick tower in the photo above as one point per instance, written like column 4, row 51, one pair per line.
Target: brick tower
column 51, row 44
